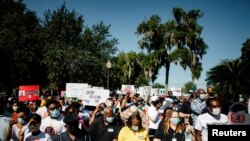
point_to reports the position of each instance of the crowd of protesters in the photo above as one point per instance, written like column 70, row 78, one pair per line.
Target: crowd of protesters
column 122, row 117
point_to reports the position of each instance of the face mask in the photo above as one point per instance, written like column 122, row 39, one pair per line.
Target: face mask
column 109, row 119
column 21, row 121
column 55, row 113
column 34, row 127
column 14, row 108
column 175, row 120
column 135, row 128
column 215, row 111
column 202, row 96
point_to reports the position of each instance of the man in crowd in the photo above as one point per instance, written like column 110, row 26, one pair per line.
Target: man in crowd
column 53, row 124
column 198, row 105
column 212, row 117
column 106, row 127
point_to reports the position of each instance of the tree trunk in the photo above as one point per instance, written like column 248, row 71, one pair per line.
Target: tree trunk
column 167, row 75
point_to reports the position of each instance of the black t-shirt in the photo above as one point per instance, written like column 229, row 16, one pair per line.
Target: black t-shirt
column 186, row 108
column 101, row 132
column 159, row 134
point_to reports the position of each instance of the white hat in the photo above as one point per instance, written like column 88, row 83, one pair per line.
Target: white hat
column 154, row 98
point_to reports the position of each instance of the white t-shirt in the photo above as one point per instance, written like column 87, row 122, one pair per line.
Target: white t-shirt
column 53, row 126
column 207, row 119
column 15, row 132
column 42, row 111
column 40, row 137
column 154, row 117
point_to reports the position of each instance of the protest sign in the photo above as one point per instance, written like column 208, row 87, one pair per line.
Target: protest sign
column 75, row 89
column 239, row 118
column 29, row 93
column 176, row 91
column 92, row 96
column 128, row 88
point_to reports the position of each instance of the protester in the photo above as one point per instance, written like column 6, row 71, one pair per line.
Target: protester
column 4, row 121
column 53, row 124
column 134, row 110
column 134, row 130
column 34, row 132
column 73, row 132
column 106, row 127
column 17, row 128
column 198, row 105
column 213, row 117
column 172, row 128
column 154, row 116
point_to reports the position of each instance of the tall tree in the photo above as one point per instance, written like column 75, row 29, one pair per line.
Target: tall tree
column 229, row 76
column 188, row 86
column 178, row 40
column 245, row 51
column 20, row 51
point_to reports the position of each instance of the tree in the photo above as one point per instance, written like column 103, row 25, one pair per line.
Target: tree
column 175, row 41
column 20, row 51
column 158, row 85
column 245, row 51
column 188, row 86
column 130, row 69
column 229, row 76
column 75, row 53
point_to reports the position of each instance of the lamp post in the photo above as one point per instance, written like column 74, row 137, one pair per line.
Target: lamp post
column 108, row 65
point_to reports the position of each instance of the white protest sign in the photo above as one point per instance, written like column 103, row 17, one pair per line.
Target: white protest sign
column 238, row 118
column 154, row 91
column 75, row 89
column 92, row 97
column 176, row 91
column 128, row 88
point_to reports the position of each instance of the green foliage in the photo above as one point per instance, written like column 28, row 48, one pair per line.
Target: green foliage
column 176, row 40
column 188, row 86
column 158, row 85
column 20, row 51
column 230, row 76
column 245, row 51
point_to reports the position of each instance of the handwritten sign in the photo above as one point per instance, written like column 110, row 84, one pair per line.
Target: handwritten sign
column 75, row 89
column 176, row 91
column 92, row 96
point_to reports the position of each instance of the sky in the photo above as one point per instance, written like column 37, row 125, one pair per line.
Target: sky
column 226, row 26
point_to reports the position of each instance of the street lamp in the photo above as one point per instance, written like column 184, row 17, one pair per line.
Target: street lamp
column 108, row 65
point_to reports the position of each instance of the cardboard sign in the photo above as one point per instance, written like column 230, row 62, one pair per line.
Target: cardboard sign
column 128, row 88
column 75, row 89
column 29, row 93
column 92, row 96
column 239, row 118
column 176, row 91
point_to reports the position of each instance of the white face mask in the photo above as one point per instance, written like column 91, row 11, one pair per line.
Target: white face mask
column 215, row 111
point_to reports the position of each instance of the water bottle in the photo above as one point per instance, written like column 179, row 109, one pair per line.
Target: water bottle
column 188, row 136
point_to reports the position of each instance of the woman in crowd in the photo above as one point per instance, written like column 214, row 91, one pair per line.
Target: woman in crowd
column 172, row 129
column 134, row 130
